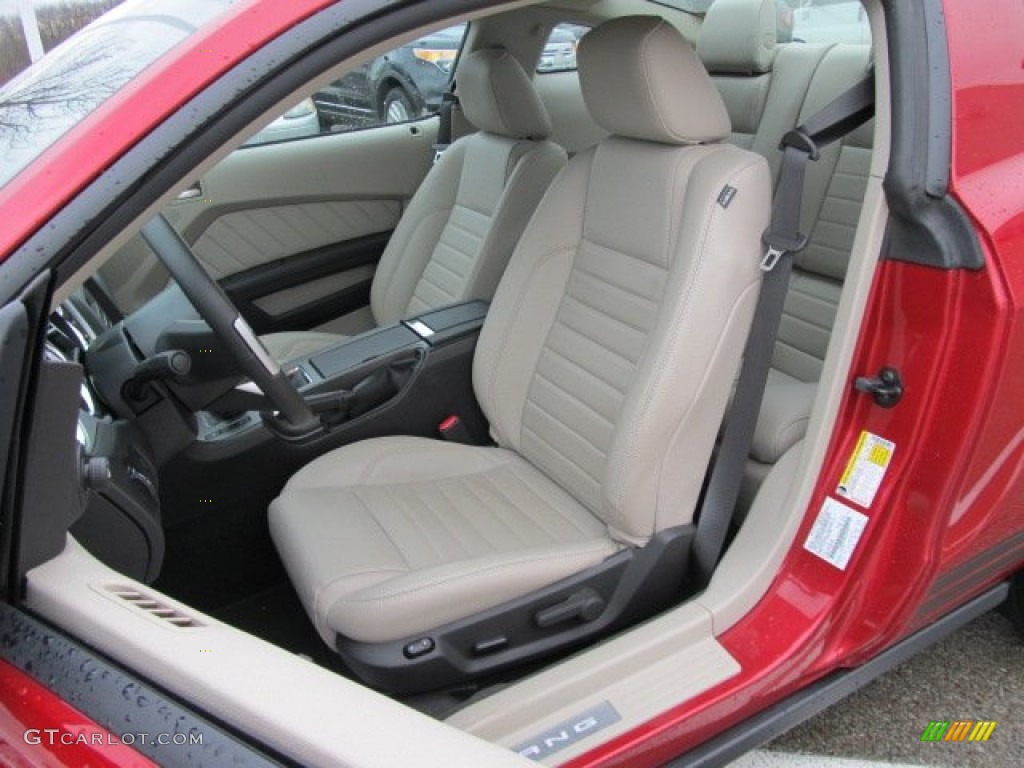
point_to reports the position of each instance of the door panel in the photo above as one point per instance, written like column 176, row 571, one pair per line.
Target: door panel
column 291, row 229
column 309, row 288
column 383, row 163
column 242, row 240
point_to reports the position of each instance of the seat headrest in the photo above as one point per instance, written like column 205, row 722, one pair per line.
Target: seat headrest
column 642, row 80
column 738, row 37
column 497, row 96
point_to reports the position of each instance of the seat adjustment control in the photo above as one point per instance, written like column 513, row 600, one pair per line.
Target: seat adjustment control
column 418, row 648
column 585, row 605
column 490, row 645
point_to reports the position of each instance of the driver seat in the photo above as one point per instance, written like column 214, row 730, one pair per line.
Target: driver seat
column 604, row 367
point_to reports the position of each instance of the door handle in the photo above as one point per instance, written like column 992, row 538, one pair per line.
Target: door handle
column 189, row 193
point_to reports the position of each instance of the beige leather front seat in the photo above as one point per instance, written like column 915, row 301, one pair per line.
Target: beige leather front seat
column 604, row 368
column 456, row 236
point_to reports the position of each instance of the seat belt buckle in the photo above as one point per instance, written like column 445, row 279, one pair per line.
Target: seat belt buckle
column 438, row 151
column 771, row 258
column 453, row 430
column 778, row 245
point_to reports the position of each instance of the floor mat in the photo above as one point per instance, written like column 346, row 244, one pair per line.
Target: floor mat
column 277, row 616
column 218, row 560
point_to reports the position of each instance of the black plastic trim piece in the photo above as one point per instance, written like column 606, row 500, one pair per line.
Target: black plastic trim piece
column 631, row 585
column 246, row 287
column 809, row 701
column 53, row 496
column 926, row 225
column 119, row 701
column 22, row 326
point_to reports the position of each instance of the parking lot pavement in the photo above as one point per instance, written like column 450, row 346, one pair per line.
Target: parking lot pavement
column 765, row 759
column 975, row 674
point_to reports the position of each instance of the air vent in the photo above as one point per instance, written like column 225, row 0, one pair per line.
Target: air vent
column 151, row 605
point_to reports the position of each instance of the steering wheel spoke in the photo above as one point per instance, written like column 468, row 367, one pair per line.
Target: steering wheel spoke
column 227, row 324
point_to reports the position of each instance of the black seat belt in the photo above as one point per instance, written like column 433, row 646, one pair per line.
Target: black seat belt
column 449, row 103
column 782, row 239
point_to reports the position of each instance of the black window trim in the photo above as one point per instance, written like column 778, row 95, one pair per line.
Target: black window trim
column 927, row 226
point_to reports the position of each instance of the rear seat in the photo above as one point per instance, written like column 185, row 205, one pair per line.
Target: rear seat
column 769, row 89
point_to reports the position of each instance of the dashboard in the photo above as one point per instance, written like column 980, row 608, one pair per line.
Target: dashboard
column 71, row 328
column 120, row 524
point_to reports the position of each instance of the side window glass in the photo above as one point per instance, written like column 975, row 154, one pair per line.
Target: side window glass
column 400, row 85
column 824, row 21
column 559, row 54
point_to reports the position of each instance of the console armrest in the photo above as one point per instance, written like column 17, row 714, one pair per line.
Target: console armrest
column 442, row 325
column 359, row 349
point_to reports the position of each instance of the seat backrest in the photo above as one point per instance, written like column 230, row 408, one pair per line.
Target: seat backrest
column 737, row 46
column 455, row 238
column 833, row 195
column 607, row 357
column 763, row 84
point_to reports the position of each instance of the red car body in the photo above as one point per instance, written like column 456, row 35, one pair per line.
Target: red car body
column 949, row 529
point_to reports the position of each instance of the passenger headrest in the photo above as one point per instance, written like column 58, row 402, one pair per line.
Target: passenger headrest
column 641, row 80
column 497, row 96
column 738, row 37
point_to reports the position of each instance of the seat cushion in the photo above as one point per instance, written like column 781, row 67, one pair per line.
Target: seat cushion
column 395, row 536
column 291, row 345
column 782, row 422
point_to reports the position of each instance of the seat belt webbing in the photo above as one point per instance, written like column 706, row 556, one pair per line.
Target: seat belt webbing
column 449, row 103
column 782, row 239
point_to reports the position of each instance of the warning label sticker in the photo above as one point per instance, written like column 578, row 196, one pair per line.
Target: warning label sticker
column 866, row 469
column 835, row 533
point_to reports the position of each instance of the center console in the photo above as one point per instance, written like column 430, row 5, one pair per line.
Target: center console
column 401, row 367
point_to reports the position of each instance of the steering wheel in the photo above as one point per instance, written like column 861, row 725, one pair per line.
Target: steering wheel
column 227, row 323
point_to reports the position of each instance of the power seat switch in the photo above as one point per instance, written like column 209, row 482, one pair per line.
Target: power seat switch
column 490, row 645
column 418, row 648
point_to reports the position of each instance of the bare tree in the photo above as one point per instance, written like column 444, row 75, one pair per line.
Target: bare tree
column 57, row 22
column 66, row 93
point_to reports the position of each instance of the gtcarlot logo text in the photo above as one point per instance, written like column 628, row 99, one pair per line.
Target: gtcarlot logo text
column 55, row 736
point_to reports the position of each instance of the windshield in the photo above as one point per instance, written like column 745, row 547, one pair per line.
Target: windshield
column 43, row 103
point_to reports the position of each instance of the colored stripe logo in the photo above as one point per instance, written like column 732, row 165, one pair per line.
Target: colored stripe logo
column 958, row 730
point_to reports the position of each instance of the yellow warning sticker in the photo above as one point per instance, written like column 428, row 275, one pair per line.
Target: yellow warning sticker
column 866, row 469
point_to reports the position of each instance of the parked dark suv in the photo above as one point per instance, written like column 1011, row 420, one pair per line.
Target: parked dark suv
column 409, row 81
column 398, row 86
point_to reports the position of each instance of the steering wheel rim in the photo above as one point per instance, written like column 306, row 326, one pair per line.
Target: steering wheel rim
column 227, row 322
